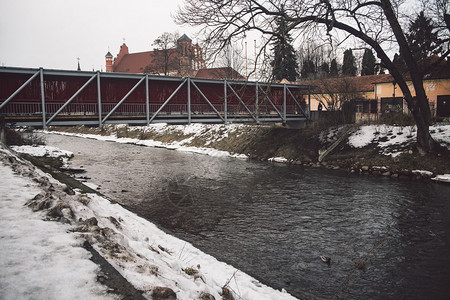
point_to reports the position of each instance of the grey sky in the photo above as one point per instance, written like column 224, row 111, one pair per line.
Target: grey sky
column 53, row 33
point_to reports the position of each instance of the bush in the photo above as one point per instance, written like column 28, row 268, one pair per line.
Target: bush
column 394, row 118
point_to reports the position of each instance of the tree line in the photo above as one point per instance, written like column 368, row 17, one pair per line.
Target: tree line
column 379, row 25
column 313, row 60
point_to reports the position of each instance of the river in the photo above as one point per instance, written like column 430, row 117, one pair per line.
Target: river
column 274, row 222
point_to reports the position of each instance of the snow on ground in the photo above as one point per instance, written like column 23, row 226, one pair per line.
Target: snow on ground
column 39, row 259
column 46, row 151
column 40, row 150
column 401, row 136
column 210, row 132
column 393, row 140
column 278, row 159
column 442, row 178
column 43, row 259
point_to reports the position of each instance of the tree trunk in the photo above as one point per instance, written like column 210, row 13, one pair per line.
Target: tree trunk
column 418, row 106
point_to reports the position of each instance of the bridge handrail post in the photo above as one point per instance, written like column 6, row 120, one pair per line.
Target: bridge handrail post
column 284, row 102
column 99, row 99
column 225, row 102
column 44, row 123
column 257, row 102
column 147, row 100
column 189, row 99
column 309, row 101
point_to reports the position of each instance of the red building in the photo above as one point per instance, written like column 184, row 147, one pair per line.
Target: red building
column 184, row 60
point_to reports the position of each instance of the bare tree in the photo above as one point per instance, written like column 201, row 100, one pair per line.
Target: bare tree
column 333, row 93
column 232, row 58
column 164, row 54
column 373, row 23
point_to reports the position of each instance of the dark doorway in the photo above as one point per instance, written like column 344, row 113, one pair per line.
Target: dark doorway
column 443, row 106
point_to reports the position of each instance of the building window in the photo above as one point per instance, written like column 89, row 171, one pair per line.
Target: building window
column 366, row 106
column 391, row 104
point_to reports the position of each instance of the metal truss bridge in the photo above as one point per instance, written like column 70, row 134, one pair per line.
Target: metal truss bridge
column 41, row 98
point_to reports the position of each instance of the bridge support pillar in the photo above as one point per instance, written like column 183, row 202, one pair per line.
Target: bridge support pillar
column 189, row 100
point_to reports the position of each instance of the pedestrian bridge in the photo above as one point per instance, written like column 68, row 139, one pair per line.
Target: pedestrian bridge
column 41, row 98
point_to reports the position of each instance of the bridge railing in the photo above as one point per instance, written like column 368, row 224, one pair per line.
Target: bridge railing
column 138, row 109
column 52, row 95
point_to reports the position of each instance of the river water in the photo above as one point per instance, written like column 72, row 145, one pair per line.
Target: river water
column 274, row 222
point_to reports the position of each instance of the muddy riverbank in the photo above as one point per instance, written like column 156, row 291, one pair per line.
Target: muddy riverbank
column 299, row 146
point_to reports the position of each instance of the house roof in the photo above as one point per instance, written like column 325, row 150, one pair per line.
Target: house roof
column 355, row 83
column 137, row 62
column 219, row 73
column 109, row 54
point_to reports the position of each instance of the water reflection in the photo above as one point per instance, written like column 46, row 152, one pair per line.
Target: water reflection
column 274, row 222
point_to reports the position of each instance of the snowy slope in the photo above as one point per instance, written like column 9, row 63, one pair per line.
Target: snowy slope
column 43, row 260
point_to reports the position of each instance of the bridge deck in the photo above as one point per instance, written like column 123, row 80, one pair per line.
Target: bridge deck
column 38, row 97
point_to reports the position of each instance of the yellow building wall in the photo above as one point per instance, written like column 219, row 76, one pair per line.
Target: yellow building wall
column 317, row 98
column 433, row 88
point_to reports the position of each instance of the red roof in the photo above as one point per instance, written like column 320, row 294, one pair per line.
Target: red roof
column 219, row 73
column 357, row 83
column 137, row 62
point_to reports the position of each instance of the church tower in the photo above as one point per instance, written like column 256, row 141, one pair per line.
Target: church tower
column 184, row 50
column 109, row 62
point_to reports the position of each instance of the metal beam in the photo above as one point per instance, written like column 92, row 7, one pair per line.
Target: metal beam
column 147, row 100
column 284, row 102
column 298, row 104
column 309, row 100
column 189, row 99
column 123, row 99
column 233, row 85
column 41, row 71
column 20, row 88
column 271, row 103
column 70, row 100
column 167, row 101
column 206, row 99
column 225, row 107
column 99, row 100
column 242, row 102
column 257, row 102
column 89, row 74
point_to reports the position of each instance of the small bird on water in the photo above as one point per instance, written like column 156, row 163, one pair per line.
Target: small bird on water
column 326, row 260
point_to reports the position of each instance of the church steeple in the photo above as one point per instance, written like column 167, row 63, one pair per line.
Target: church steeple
column 109, row 61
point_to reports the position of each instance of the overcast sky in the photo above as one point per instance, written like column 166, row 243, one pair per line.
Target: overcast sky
column 54, row 33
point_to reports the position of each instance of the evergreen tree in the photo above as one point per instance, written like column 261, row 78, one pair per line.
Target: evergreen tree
column 399, row 62
column 423, row 38
column 349, row 63
column 368, row 63
column 284, row 64
column 334, row 70
column 325, row 68
column 308, row 69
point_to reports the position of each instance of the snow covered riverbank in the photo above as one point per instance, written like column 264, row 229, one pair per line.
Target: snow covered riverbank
column 43, row 259
column 389, row 142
